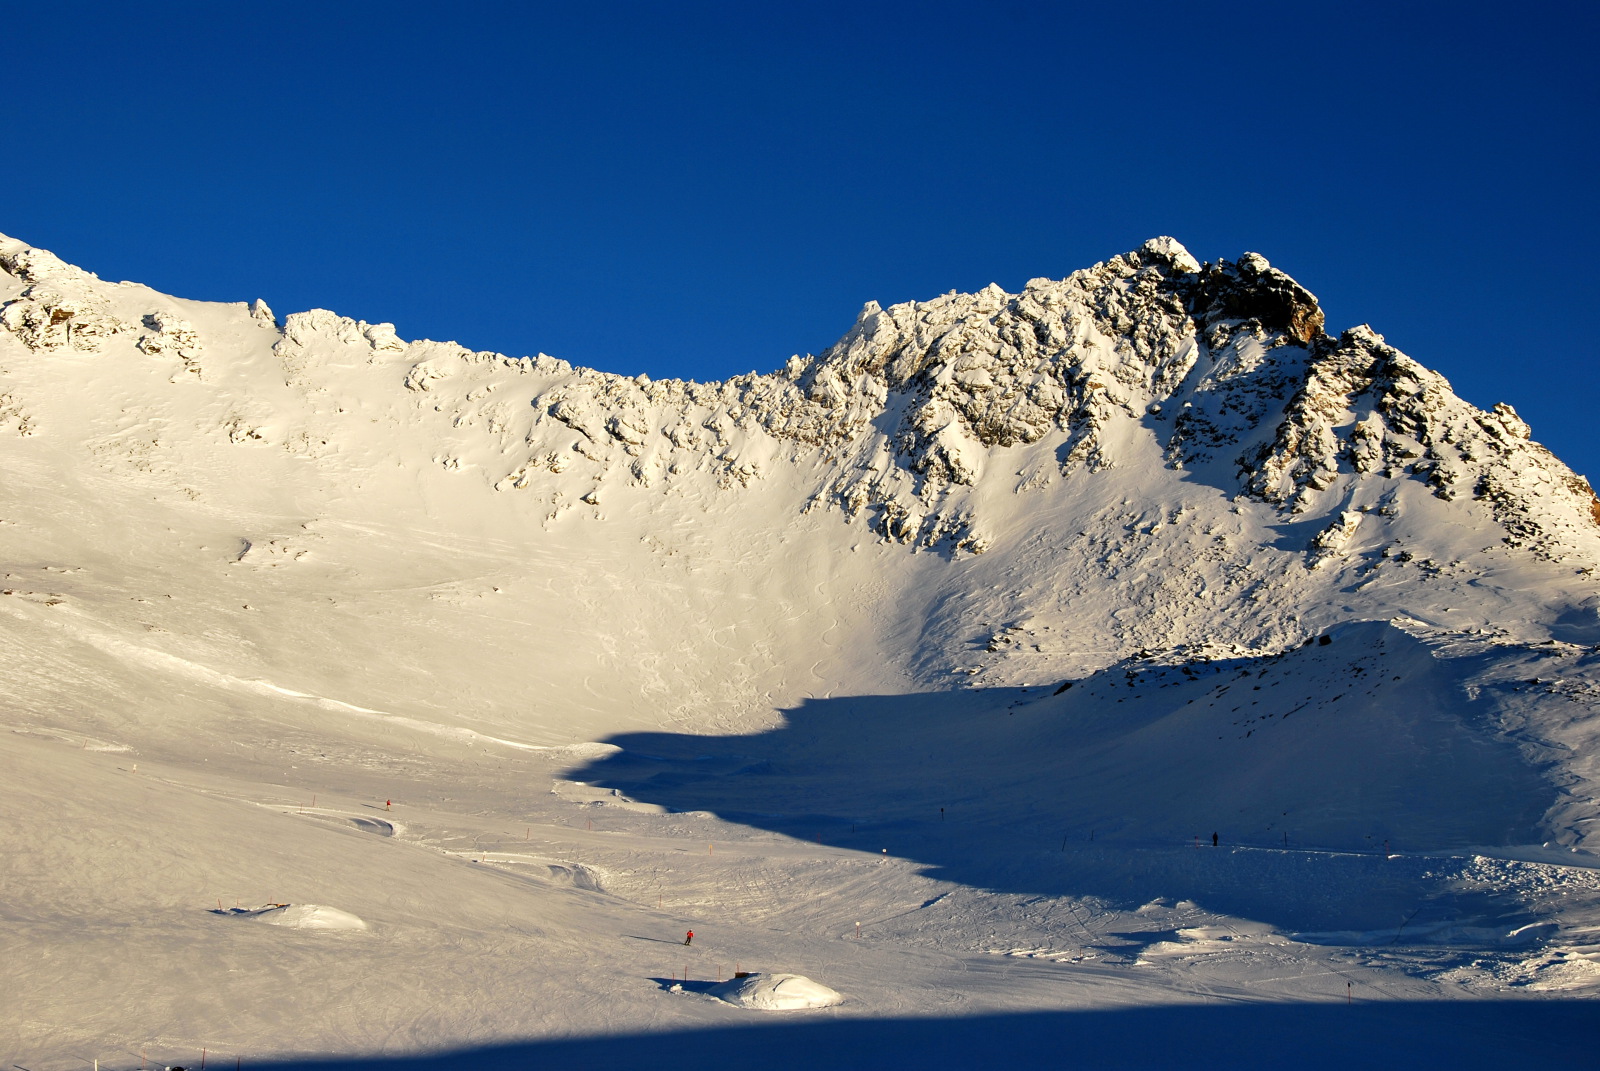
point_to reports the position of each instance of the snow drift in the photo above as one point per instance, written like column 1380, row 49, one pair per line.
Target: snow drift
column 304, row 917
column 776, row 992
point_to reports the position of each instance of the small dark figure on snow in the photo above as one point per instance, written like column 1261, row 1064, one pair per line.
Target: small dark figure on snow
column 1213, row 840
column 688, row 938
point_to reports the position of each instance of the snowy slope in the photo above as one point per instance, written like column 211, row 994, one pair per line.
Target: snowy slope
column 1303, row 595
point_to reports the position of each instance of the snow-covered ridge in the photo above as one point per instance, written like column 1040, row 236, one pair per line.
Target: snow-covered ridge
column 1203, row 463
column 1224, row 367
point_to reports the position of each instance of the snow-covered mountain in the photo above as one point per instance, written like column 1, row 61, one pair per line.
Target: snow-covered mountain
column 1129, row 557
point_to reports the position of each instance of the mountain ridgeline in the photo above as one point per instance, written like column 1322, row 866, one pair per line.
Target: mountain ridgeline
column 1150, row 461
column 1225, row 367
column 937, row 425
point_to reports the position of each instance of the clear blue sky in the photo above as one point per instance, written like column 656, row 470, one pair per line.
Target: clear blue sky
column 702, row 189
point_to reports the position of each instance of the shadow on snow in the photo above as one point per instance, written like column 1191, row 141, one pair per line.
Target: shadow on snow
column 1306, row 764
column 1455, row 1034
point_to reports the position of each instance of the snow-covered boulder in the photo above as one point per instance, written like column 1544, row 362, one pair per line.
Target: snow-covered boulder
column 306, row 917
column 776, row 992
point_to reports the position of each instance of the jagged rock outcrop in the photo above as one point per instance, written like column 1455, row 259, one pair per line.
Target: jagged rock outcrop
column 1226, row 366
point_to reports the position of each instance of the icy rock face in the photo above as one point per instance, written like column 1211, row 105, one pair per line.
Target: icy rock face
column 1364, row 408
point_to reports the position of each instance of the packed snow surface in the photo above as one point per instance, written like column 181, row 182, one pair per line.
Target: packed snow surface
column 1122, row 666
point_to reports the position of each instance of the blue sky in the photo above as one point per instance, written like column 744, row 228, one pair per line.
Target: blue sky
column 703, row 189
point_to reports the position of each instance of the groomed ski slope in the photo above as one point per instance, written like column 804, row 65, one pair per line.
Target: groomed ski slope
column 272, row 636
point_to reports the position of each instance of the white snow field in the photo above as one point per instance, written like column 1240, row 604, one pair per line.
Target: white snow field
column 926, row 669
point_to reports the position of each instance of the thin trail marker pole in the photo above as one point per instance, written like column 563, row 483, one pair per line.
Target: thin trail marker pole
column 858, row 931
column 1349, row 998
column 711, row 849
column 202, row 1060
column 1063, row 842
column 313, row 801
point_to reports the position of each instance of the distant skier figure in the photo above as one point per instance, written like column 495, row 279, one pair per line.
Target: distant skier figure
column 688, row 938
column 1213, row 840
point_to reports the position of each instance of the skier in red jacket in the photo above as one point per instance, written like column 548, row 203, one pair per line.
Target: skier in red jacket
column 688, row 938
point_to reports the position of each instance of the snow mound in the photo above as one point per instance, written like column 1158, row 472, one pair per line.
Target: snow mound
column 776, row 992
column 306, row 917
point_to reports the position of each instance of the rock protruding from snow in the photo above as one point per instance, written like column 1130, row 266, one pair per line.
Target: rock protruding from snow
column 776, row 992
column 62, row 307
